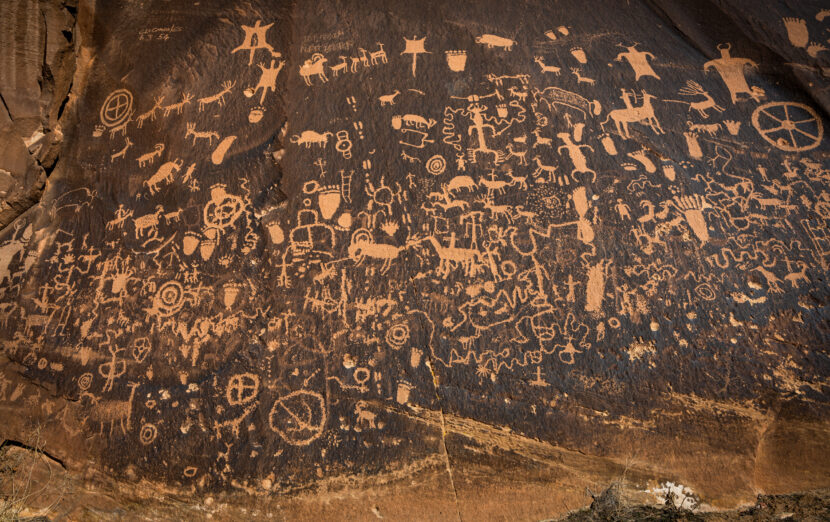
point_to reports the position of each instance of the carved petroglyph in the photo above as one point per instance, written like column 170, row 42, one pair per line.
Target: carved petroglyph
column 731, row 71
column 218, row 98
column 415, row 47
column 298, row 417
column 788, row 126
column 692, row 88
column 509, row 206
column 644, row 114
column 638, row 60
column 203, row 135
column 178, row 106
column 255, row 38
column 164, row 174
column 492, row 41
column 148, row 158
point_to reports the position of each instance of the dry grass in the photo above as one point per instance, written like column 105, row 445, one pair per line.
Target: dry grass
column 31, row 483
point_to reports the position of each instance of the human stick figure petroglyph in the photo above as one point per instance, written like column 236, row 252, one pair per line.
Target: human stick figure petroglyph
column 255, row 39
column 638, row 60
column 578, row 158
column 415, row 46
column 267, row 80
column 731, row 71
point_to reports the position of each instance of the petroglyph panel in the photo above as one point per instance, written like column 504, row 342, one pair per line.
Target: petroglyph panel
column 282, row 241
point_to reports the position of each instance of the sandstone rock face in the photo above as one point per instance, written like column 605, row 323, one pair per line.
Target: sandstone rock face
column 36, row 69
column 416, row 260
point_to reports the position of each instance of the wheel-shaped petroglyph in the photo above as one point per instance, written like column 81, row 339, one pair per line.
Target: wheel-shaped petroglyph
column 242, row 389
column 223, row 209
column 789, row 126
column 117, row 108
column 299, row 417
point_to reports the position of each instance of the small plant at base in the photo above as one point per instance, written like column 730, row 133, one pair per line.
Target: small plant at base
column 20, row 486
